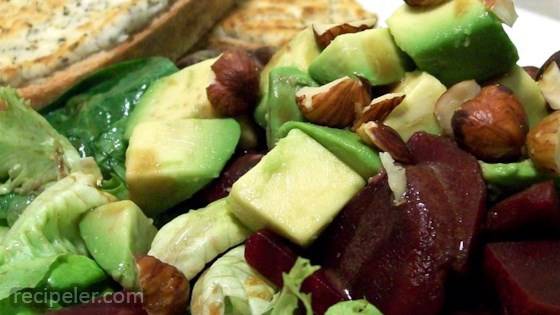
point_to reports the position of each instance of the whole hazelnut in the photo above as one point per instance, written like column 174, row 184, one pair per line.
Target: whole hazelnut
column 542, row 143
column 492, row 126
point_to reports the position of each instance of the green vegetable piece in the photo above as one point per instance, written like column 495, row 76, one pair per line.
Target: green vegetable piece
column 290, row 296
column 179, row 95
column 93, row 114
column 416, row 112
column 231, row 287
column 115, row 234
column 196, row 238
column 32, row 155
column 3, row 231
column 456, row 41
column 49, row 225
column 371, row 54
column 285, row 191
column 14, row 305
column 279, row 103
column 528, row 93
column 168, row 161
column 24, row 274
column 345, row 144
column 511, row 175
column 74, row 272
column 358, row 307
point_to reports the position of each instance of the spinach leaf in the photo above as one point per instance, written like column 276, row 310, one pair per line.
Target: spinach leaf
column 94, row 113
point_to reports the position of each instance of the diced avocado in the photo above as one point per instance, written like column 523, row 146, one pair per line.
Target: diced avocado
column 74, row 272
column 296, row 189
column 528, row 93
column 298, row 53
column 168, row 161
column 114, row 234
column 180, row 95
column 355, row 307
column 416, row 112
column 456, row 41
column 280, row 100
column 345, row 144
column 511, row 175
column 371, row 54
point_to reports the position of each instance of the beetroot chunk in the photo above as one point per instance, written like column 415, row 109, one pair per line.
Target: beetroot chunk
column 536, row 208
column 526, row 276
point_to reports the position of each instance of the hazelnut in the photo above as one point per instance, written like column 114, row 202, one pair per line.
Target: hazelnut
column 549, row 80
column 542, row 143
column 334, row 104
column 326, row 33
column 165, row 289
column 503, row 9
column 492, row 126
column 450, row 101
column 424, row 3
column 236, row 87
column 385, row 139
column 379, row 108
column 532, row 71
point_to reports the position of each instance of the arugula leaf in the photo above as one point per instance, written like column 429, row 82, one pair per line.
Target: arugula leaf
column 94, row 113
column 290, row 296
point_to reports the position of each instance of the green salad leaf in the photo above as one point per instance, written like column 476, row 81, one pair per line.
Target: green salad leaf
column 94, row 113
column 231, row 286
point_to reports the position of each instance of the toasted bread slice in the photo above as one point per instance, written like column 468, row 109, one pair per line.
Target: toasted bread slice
column 256, row 23
column 171, row 33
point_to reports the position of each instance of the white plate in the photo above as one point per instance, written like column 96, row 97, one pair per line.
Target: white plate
column 536, row 33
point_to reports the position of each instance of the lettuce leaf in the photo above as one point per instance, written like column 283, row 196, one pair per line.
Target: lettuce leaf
column 231, row 287
column 194, row 239
column 93, row 114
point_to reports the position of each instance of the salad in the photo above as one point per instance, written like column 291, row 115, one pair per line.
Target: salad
column 360, row 170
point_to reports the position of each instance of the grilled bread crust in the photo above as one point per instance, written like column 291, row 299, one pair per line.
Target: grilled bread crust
column 170, row 34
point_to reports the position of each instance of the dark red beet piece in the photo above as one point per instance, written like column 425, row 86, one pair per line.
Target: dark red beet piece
column 460, row 174
column 110, row 305
column 536, row 208
column 526, row 276
column 221, row 187
column 272, row 256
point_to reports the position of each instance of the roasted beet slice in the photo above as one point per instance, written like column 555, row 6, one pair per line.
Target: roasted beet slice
column 395, row 256
column 460, row 174
column 534, row 209
column 120, row 303
column 526, row 276
column 272, row 256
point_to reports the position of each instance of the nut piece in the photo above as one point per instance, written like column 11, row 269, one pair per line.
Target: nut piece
column 450, row 102
column 542, row 143
column 326, row 33
column 385, row 139
column 165, row 289
column 532, row 71
column 549, row 80
column 503, row 9
column 492, row 126
column 334, row 104
column 396, row 175
column 235, row 89
column 424, row 3
column 379, row 109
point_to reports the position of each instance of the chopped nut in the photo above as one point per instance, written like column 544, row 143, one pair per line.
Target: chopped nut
column 542, row 143
column 386, row 139
column 334, row 104
column 503, row 9
column 379, row 109
column 325, row 34
column 165, row 289
column 549, row 80
column 451, row 101
column 492, row 126
column 396, row 175
column 235, row 89
column 532, row 71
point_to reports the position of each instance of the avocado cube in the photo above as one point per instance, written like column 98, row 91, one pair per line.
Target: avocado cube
column 180, row 95
column 168, row 161
column 115, row 234
column 371, row 54
column 456, row 41
column 296, row 189
column 416, row 112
